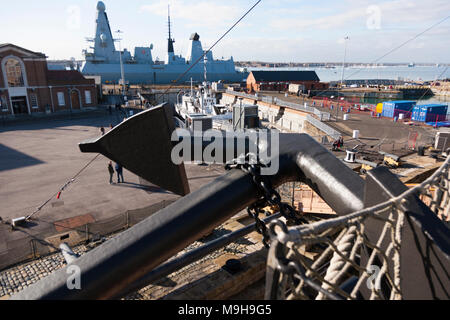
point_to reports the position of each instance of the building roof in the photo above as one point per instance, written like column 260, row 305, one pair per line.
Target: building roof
column 59, row 75
column 280, row 76
column 13, row 46
column 400, row 101
column 432, row 105
column 67, row 77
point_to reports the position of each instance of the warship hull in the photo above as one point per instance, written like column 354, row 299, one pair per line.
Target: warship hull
column 147, row 74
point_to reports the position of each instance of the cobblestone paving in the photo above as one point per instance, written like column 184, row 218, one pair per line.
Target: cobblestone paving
column 20, row 277
column 193, row 271
column 16, row 279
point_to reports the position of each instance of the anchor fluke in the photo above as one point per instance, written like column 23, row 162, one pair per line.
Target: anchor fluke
column 142, row 144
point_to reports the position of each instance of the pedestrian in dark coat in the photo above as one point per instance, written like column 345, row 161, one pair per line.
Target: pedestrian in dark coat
column 119, row 171
column 111, row 172
column 334, row 146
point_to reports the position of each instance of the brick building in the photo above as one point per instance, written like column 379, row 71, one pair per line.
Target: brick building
column 280, row 80
column 27, row 86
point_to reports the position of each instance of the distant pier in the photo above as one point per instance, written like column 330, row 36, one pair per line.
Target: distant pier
column 393, row 92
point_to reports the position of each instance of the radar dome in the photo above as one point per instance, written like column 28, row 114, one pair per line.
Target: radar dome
column 101, row 6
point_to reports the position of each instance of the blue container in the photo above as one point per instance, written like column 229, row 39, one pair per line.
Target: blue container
column 429, row 113
column 392, row 109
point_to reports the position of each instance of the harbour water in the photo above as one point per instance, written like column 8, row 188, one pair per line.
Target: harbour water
column 417, row 73
column 424, row 100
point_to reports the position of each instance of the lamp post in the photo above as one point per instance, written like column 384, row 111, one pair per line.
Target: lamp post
column 122, row 72
column 342, row 77
column 345, row 56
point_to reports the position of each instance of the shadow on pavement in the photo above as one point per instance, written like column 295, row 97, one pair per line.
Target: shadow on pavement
column 148, row 188
column 98, row 118
column 11, row 159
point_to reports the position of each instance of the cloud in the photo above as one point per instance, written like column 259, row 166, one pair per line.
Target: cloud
column 357, row 13
column 197, row 14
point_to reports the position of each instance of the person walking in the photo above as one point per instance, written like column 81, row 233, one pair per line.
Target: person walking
column 102, row 130
column 335, row 145
column 119, row 171
column 111, row 172
column 341, row 141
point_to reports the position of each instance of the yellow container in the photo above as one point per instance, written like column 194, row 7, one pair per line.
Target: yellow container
column 379, row 108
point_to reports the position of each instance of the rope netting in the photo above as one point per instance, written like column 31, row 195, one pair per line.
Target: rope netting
column 335, row 258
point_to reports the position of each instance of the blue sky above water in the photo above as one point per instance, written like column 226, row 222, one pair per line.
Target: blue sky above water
column 277, row 30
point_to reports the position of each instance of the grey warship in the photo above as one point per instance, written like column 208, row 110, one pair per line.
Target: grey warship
column 105, row 61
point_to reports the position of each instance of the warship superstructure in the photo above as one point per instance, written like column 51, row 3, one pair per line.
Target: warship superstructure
column 105, row 60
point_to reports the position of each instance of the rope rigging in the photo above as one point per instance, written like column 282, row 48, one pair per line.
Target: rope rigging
column 210, row 48
column 58, row 193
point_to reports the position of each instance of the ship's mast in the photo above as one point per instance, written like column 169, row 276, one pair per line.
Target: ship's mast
column 171, row 41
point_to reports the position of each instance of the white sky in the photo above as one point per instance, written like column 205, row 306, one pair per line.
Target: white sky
column 277, row 30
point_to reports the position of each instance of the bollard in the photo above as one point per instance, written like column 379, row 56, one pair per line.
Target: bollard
column 68, row 254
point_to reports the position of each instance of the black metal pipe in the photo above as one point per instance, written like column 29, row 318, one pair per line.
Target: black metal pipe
column 192, row 256
column 109, row 269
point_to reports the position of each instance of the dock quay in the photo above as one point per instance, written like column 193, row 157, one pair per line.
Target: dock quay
column 297, row 114
column 391, row 92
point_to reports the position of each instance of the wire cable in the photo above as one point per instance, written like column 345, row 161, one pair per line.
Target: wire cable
column 207, row 51
column 401, row 45
column 391, row 51
column 428, row 89
column 433, row 83
column 63, row 187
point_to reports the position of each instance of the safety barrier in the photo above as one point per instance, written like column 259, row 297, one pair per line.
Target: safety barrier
column 29, row 248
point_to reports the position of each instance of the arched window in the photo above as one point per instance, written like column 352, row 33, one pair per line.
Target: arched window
column 14, row 73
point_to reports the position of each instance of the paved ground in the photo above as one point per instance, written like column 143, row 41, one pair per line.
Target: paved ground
column 38, row 158
column 373, row 130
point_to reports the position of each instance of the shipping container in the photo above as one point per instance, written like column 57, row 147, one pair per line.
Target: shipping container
column 379, row 108
column 392, row 109
column 296, row 88
column 429, row 113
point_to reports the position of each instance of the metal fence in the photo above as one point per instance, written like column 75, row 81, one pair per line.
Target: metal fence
column 323, row 127
column 323, row 116
column 244, row 95
column 34, row 246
